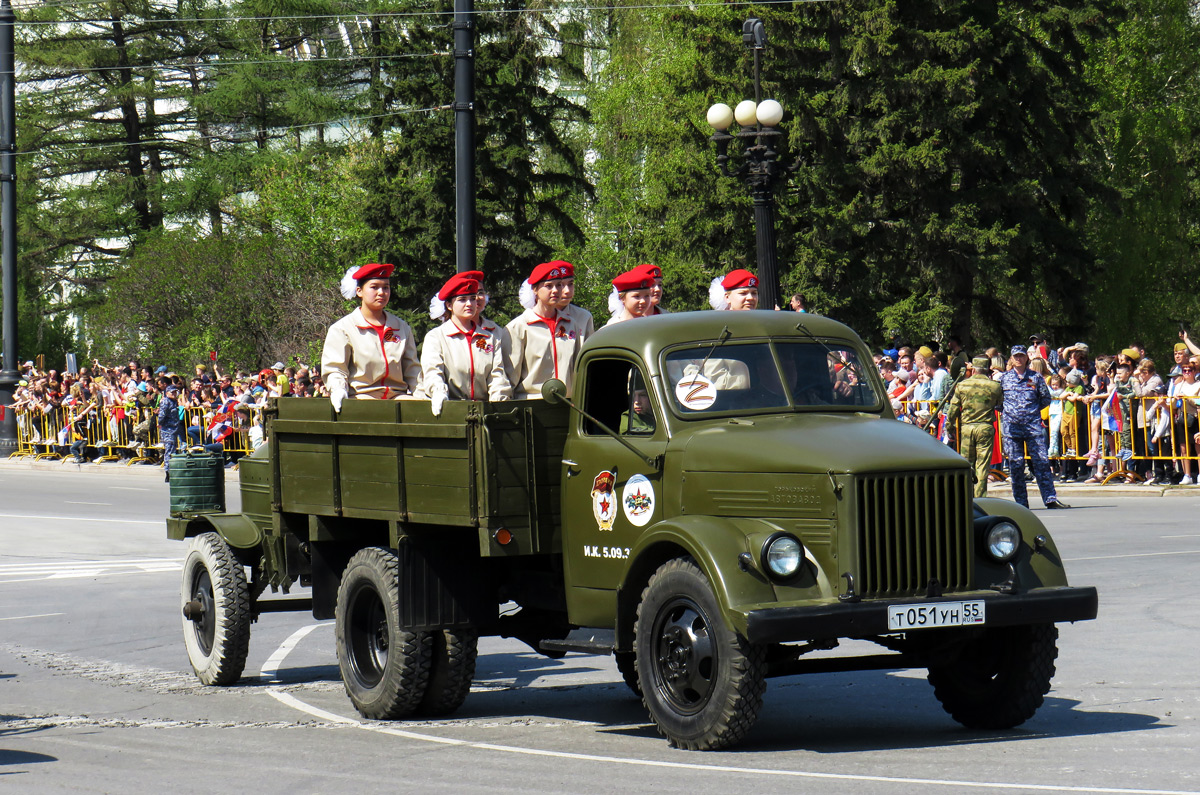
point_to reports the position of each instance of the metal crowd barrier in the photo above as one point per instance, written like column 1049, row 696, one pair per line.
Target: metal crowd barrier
column 117, row 433
column 1149, row 438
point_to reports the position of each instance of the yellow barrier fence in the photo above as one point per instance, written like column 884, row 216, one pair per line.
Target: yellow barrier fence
column 1156, row 430
column 116, row 433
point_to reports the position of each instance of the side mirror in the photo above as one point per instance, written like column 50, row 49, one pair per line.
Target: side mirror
column 554, row 392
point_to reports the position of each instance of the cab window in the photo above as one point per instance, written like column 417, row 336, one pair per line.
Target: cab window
column 618, row 396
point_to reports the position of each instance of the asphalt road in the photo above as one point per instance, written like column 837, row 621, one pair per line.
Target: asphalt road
column 96, row 694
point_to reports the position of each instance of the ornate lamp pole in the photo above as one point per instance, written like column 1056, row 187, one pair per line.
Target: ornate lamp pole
column 759, row 119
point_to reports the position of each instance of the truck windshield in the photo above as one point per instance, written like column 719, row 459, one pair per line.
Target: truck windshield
column 743, row 377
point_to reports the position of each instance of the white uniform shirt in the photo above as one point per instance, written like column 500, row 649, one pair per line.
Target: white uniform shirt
column 371, row 361
column 582, row 319
column 543, row 349
column 465, row 366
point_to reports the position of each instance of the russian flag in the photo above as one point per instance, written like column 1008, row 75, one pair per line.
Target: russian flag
column 1111, row 412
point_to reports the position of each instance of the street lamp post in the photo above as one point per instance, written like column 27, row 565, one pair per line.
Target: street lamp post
column 8, row 227
column 759, row 120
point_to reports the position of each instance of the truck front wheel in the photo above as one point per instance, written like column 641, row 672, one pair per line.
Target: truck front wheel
column 385, row 669
column 216, row 610
column 702, row 684
column 999, row 679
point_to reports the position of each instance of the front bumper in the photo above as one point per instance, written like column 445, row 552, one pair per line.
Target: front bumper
column 861, row 619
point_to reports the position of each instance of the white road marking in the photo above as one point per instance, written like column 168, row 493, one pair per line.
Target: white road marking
column 38, row 615
column 73, row 502
column 127, row 488
column 332, row 717
column 1191, row 535
column 72, row 569
column 76, row 518
column 287, row 699
column 1136, row 555
column 271, row 666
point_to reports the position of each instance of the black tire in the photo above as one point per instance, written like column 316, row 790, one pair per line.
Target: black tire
column 1001, row 677
column 384, row 668
column 702, row 684
column 452, row 671
column 216, row 610
column 627, row 665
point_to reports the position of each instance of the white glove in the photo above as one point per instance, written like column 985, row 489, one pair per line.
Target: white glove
column 336, row 396
column 436, row 400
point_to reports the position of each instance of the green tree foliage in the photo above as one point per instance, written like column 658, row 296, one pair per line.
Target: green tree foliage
column 1148, row 82
column 529, row 175
column 966, row 167
column 945, row 171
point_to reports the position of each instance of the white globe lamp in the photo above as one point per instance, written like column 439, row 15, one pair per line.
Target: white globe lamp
column 720, row 116
column 746, row 112
column 769, row 113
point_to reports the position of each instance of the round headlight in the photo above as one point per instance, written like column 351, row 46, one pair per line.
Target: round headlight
column 1003, row 540
column 782, row 555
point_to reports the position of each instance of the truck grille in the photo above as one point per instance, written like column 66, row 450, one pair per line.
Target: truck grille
column 913, row 529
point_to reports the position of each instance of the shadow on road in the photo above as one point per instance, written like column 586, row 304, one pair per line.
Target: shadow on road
column 8, row 757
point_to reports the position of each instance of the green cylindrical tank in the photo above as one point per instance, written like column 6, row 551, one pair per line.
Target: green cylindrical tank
column 197, row 483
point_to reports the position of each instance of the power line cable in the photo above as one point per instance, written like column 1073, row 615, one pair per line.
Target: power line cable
column 413, row 14
column 247, row 139
column 201, row 64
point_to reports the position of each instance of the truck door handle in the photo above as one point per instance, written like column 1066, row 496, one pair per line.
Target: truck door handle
column 572, row 467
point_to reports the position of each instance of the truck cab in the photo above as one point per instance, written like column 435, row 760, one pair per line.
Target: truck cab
column 724, row 498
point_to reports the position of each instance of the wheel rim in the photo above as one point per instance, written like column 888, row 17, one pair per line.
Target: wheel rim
column 205, row 625
column 685, row 657
column 369, row 639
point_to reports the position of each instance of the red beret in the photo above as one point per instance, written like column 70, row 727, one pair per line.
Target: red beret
column 374, row 270
column 636, row 279
column 653, row 271
column 459, row 284
column 476, row 275
column 738, row 279
column 556, row 269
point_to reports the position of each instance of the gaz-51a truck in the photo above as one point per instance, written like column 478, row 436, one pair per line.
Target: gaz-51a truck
column 724, row 497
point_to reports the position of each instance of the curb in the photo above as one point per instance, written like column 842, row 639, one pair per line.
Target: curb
column 115, row 468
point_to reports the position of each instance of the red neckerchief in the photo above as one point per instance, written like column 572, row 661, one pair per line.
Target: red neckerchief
column 385, row 333
column 552, row 324
column 470, row 335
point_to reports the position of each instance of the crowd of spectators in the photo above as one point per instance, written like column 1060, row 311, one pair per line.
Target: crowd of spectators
column 131, row 396
column 1111, row 414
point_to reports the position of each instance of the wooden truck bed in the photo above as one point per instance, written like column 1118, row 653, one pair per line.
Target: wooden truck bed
column 481, row 465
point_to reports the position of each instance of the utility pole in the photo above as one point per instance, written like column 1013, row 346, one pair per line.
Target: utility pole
column 8, row 224
column 464, row 133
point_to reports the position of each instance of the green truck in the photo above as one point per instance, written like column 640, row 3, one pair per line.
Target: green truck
column 725, row 497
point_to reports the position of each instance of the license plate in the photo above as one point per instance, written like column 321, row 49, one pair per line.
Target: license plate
column 942, row 614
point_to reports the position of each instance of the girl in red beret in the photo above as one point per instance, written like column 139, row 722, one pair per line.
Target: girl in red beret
column 462, row 358
column 633, row 291
column 545, row 341
column 369, row 353
column 738, row 290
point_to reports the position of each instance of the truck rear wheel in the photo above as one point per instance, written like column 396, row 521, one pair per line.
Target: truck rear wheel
column 1000, row 678
column 216, row 610
column 702, row 684
column 627, row 666
column 451, row 672
column 385, row 669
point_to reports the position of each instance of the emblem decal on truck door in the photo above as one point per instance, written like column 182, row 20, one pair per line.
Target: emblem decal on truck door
column 637, row 498
column 604, row 500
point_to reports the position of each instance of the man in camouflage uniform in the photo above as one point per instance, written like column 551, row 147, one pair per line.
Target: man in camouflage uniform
column 974, row 404
column 1025, row 395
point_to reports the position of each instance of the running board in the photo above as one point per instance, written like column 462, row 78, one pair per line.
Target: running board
column 584, row 641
